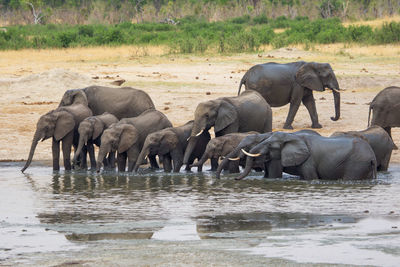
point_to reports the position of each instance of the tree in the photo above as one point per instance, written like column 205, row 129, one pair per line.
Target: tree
column 37, row 15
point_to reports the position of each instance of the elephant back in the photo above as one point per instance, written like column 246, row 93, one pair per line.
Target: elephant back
column 122, row 102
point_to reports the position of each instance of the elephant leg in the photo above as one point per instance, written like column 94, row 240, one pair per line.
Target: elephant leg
column 214, row 164
column 388, row 129
column 111, row 159
column 294, row 106
column 55, row 149
column 309, row 101
column 234, row 166
column 167, row 163
column 153, row 162
column 274, row 169
column 121, row 159
column 66, row 148
column 384, row 164
column 83, row 158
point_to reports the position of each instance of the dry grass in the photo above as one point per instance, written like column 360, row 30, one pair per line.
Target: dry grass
column 373, row 23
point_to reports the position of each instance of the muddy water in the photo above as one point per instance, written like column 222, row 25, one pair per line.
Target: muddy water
column 192, row 219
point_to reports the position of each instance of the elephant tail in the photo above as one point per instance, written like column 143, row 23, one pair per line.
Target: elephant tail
column 369, row 113
column 242, row 81
column 374, row 169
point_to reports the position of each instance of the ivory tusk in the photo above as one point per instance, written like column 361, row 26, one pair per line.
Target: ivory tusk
column 337, row 91
column 200, row 132
column 249, row 154
column 146, row 157
column 233, row 159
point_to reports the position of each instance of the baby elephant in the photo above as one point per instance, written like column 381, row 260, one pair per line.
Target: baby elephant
column 380, row 142
column 90, row 131
column 170, row 144
column 222, row 146
column 128, row 136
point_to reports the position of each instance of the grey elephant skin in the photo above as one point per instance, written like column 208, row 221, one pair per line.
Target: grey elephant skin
column 293, row 83
column 127, row 138
column 170, row 145
column 246, row 112
column 262, row 162
column 221, row 146
column 380, row 142
column 90, row 131
column 60, row 124
column 317, row 157
column 122, row 102
column 385, row 109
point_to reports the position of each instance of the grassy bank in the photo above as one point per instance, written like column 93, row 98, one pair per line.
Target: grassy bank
column 192, row 35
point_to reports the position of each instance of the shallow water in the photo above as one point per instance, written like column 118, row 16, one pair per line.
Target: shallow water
column 191, row 219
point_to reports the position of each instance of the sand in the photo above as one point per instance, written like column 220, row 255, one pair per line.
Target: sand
column 32, row 83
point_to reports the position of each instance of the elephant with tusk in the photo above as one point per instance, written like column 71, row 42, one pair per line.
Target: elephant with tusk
column 246, row 112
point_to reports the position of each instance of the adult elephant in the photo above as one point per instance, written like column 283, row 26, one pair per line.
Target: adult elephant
column 385, row 109
column 170, row 144
column 127, row 138
column 62, row 125
column 246, row 112
column 317, row 157
column 293, row 83
column 247, row 144
column 90, row 131
column 380, row 142
column 122, row 102
column 220, row 147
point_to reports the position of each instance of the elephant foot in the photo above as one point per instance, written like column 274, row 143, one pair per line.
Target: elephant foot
column 288, row 127
column 316, row 126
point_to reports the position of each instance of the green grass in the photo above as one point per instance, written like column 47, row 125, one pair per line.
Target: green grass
column 191, row 35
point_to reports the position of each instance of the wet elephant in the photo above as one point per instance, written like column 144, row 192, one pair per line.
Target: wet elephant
column 246, row 112
column 170, row 144
column 293, row 83
column 122, row 102
column 61, row 125
column 90, row 131
column 221, row 146
column 127, row 138
column 316, row 157
column 380, row 142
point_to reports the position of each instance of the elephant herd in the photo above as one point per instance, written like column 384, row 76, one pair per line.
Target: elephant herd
column 128, row 130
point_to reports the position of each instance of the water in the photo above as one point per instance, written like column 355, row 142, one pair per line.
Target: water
column 192, row 219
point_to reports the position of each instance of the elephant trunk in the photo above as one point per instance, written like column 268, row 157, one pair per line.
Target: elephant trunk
column 82, row 141
column 142, row 155
column 35, row 141
column 189, row 149
column 247, row 169
column 336, row 98
column 102, row 154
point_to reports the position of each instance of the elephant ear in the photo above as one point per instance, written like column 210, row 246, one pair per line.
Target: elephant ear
column 307, row 76
column 98, row 127
column 65, row 124
column 227, row 115
column 128, row 137
column 294, row 152
column 168, row 142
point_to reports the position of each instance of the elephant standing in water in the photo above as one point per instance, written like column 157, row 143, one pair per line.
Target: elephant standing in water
column 293, row 83
column 122, row 102
column 385, row 109
column 246, row 112
column 170, row 144
column 316, row 157
column 380, row 142
column 62, row 125
column 90, row 131
column 128, row 136
column 221, row 146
